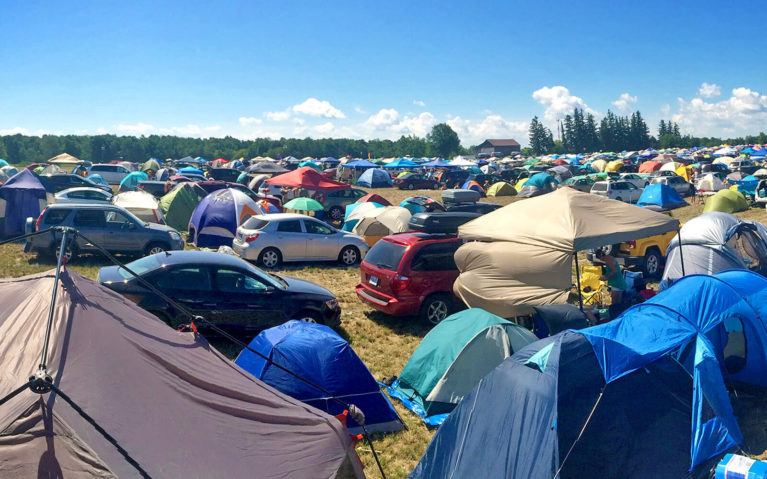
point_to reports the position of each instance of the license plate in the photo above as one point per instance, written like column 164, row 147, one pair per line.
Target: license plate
column 373, row 280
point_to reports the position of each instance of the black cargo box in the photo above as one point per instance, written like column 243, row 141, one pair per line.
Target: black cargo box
column 479, row 207
column 460, row 196
column 445, row 223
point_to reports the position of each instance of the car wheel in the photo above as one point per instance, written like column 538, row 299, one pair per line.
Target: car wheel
column 349, row 256
column 154, row 248
column 652, row 263
column 619, row 199
column 436, row 308
column 70, row 254
column 270, row 258
column 336, row 213
column 308, row 317
column 410, row 186
column 435, row 186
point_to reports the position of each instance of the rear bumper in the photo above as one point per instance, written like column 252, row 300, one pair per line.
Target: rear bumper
column 243, row 250
column 388, row 304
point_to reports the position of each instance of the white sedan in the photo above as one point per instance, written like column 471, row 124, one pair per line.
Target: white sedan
column 272, row 239
column 83, row 194
column 638, row 180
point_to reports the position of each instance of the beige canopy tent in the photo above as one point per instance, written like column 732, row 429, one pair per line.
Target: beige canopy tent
column 64, row 160
column 521, row 255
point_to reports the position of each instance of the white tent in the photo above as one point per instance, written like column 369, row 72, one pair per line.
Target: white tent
column 142, row 204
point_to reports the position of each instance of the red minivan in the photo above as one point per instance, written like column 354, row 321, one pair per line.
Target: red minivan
column 411, row 273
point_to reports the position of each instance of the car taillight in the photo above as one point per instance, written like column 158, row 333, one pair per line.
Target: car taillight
column 141, row 187
column 609, row 191
column 39, row 218
column 399, row 283
column 632, row 244
column 250, row 238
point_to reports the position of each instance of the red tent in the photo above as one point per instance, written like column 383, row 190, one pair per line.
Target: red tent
column 308, row 179
column 560, row 162
column 649, row 166
column 374, row 198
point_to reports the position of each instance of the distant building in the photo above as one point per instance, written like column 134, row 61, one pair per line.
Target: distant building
column 498, row 147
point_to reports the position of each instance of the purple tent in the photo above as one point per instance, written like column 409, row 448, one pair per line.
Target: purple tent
column 22, row 194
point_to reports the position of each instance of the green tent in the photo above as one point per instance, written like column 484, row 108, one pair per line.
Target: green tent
column 501, row 189
column 243, row 179
column 150, row 165
column 728, row 201
column 455, row 355
column 179, row 204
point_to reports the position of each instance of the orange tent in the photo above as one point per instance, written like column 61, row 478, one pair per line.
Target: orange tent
column 649, row 166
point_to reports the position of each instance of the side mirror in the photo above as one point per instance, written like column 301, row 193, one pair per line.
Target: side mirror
column 131, row 226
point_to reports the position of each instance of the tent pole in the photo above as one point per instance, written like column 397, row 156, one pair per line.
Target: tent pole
column 681, row 256
column 578, row 281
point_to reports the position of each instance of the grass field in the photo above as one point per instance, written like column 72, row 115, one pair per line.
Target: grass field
column 385, row 343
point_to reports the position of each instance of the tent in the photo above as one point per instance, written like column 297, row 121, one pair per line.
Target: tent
column 356, row 211
column 65, row 161
column 728, row 201
column 501, row 189
column 671, row 166
column 402, row 163
column 421, row 204
column 714, row 242
column 747, row 185
column 256, row 182
column 375, row 198
column 709, row 183
column 452, row 358
column 614, row 166
column 319, row 354
column 308, row 179
column 598, row 165
column 375, row 178
column 266, row 168
column 437, row 164
column 163, row 174
column 179, row 203
column 662, row 196
column 130, row 182
column 98, row 179
column 216, row 218
column 474, row 186
column 150, row 165
column 561, row 172
column 310, row 164
column 536, row 185
column 23, row 196
column 142, row 204
column 521, row 255
column 376, row 223
column 555, row 318
column 176, row 405
column 360, row 164
column 48, row 170
column 649, row 166
column 190, row 170
column 641, row 396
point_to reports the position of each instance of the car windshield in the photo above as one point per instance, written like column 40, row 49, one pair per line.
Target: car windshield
column 141, row 266
column 386, row 255
column 269, row 278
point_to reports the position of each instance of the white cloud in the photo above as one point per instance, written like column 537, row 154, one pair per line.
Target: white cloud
column 249, row 120
column 315, row 107
column 277, row 115
column 324, row 128
column 665, row 109
column 388, row 123
column 17, row 130
column 743, row 113
column 383, row 119
column 559, row 102
column 359, row 110
column 711, row 90
column 101, row 131
column 190, row 130
column 492, row 126
column 623, row 102
column 419, row 103
column 299, row 121
column 136, row 129
column 416, row 125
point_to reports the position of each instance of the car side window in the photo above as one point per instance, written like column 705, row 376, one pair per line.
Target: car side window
column 115, row 218
column 436, row 257
column 78, row 194
column 317, row 228
column 93, row 195
column 89, row 218
column 55, row 217
column 291, row 226
column 192, row 278
column 233, row 281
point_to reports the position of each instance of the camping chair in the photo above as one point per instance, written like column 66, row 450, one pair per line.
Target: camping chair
column 592, row 288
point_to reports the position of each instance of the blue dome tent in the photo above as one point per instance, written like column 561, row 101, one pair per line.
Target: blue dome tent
column 22, row 193
column 661, row 196
column 215, row 220
column 130, row 182
column 641, row 396
column 316, row 352
column 375, row 178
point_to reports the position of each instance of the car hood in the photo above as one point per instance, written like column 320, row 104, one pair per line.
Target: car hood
column 296, row 285
column 109, row 274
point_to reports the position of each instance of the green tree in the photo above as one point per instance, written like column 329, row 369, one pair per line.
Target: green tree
column 443, row 141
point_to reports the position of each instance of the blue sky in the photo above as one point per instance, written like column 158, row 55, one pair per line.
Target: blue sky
column 375, row 70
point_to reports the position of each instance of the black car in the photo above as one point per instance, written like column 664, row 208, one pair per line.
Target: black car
column 483, row 178
column 63, row 181
column 224, row 174
column 224, row 289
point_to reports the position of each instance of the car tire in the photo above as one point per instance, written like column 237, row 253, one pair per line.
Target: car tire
column 155, row 247
column 307, row 316
column 270, row 258
column 435, row 186
column 436, row 308
column 652, row 264
column 619, row 199
column 410, row 186
column 349, row 256
column 53, row 252
column 336, row 213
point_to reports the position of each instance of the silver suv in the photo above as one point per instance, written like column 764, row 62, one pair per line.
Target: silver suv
column 111, row 227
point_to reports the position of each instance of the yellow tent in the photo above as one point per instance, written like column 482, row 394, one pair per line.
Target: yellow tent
column 598, row 165
column 612, row 166
column 684, row 172
column 520, row 183
column 501, row 189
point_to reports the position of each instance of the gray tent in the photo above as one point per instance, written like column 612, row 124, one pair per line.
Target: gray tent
column 174, row 404
column 714, row 242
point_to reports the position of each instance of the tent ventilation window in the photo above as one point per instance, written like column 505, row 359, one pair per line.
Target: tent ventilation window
column 735, row 348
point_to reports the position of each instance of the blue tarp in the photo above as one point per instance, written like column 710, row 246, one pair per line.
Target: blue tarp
column 760, row 152
column 360, row 164
column 661, row 195
column 317, row 353
column 650, row 386
column 375, row 178
column 190, row 169
column 22, row 193
column 402, row 163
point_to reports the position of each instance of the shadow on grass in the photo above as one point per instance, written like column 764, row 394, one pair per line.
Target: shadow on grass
column 85, row 260
column 750, row 406
column 402, row 325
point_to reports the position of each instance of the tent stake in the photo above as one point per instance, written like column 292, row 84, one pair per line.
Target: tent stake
column 681, row 256
column 578, row 281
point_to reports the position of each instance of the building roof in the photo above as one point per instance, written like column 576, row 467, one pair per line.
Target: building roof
column 508, row 142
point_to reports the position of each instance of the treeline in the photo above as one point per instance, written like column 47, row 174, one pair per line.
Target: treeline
column 578, row 133
column 23, row 149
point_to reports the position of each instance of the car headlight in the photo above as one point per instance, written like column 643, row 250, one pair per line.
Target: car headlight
column 332, row 304
column 174, row 236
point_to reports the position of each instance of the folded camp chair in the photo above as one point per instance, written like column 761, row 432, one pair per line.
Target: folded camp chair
column 593, row 290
